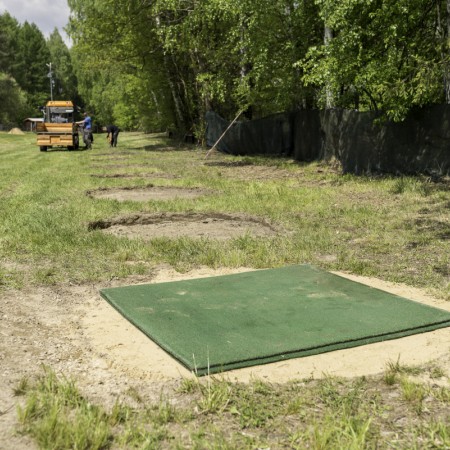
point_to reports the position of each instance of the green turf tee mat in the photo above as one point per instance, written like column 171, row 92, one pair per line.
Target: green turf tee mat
column 232, row 321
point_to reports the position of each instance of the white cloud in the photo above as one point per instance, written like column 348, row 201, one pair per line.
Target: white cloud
column 46, row 14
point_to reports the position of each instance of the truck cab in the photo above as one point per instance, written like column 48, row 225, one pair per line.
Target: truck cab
column 59, row 128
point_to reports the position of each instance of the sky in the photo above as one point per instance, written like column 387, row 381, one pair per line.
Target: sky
column 46, row 14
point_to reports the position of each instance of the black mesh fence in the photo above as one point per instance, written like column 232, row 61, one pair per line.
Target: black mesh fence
column 420, row 144
column 268, row 136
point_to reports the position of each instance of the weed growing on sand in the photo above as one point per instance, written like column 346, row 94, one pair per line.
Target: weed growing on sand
column 211, row 412
column 58, row 417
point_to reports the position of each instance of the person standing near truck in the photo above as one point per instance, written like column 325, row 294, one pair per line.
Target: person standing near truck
column 86, row 123
column 113, row 133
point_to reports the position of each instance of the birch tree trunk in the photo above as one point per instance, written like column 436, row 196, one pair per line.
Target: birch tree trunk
column 446, row 56
column 329, row 98
column 178, row 104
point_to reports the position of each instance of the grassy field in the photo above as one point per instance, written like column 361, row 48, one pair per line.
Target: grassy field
column 393, row 228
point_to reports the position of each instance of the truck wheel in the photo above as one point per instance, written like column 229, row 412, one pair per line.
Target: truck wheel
column 43, row 148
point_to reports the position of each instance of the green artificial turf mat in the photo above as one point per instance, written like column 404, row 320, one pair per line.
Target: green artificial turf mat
column 231, row 321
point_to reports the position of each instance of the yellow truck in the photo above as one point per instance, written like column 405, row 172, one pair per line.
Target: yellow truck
column 59, row 128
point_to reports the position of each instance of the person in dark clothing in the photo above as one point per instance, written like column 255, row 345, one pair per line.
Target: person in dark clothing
column 113, row 133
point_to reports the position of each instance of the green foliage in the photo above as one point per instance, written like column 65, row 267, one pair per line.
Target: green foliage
column 15, row 75
column 34, row 55
column 12, row 101
column 120, row 64
column 263, row 56
column 9, row 58
column 384, row 55
column 159, row 65
column 183, row 58
column 25, row 85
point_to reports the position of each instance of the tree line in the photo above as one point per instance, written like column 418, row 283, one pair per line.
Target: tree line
column 161, row 64
column 24, row 58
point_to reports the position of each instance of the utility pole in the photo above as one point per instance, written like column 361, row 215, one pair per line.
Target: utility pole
column 50, row 75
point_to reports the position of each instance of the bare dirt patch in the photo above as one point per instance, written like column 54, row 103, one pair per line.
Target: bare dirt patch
column 244, row 171
column 240, row 170
column 120, row 166
column 174, row 225
column 167, row 176
column 149, row 192
column 118, row 157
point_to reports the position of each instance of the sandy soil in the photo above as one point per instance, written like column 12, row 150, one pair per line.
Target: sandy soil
column 148, row 193
column 193, row 225
column 16, row 131
column 149, row 226
column 136, row 175
column 132, row 352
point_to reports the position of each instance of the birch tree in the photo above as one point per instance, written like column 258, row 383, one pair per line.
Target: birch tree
column 384, row 55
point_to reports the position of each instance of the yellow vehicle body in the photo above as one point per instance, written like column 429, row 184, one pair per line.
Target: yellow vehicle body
column 58, row 128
